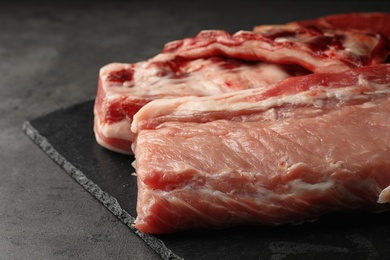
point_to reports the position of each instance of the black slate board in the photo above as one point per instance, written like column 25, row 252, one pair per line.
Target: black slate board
column 67, row 137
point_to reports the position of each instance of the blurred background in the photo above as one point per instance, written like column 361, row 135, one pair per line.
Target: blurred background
column 50, row 54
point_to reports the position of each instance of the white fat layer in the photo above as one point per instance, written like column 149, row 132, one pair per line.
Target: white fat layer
column 384, row 196
column 203, row 77
column 352, row 45
column 239, row 101
column 110, row 147
column 298, row 185
column 115, row 66
column 120, row 129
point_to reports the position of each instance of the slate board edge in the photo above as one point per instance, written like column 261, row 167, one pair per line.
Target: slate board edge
column 108, row 201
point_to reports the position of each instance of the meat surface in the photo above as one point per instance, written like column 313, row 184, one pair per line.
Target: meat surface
column 216, row 62
column 264, row 102
column 125, row 88
column 316, row 49
column 306, row 149
column 279, row 125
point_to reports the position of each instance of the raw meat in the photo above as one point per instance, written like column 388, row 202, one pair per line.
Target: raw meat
column 124, row 88
column 316, row 49
column 311, row 147
column 227, row 131
column 244, row 105
column 216, row 62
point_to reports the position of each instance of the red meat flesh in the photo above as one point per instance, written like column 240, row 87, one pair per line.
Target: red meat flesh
column 316, row 49
column 321, row 148
column 124, row 88
column 216, row 62
column 246, row 104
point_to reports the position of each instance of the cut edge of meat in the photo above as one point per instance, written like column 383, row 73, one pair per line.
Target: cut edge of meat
column 106, row 136
column 124, row 88
column 191, row 109
column 318, row 50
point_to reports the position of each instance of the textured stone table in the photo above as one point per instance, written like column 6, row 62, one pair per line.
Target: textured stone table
column 50, row 54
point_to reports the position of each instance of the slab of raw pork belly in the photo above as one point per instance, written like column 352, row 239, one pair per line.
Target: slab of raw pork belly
column 319, row 147
column 316, row 49
column 124, row 88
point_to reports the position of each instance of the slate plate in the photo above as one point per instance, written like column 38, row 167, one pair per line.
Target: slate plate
column 67, row 137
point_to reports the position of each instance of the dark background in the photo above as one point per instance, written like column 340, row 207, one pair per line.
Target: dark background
column 50, row 54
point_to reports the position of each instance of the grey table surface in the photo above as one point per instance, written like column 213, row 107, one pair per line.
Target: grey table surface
column 50, row 54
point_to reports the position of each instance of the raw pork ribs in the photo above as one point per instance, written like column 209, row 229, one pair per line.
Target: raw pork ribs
column 217, row 62
column 276, row 125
